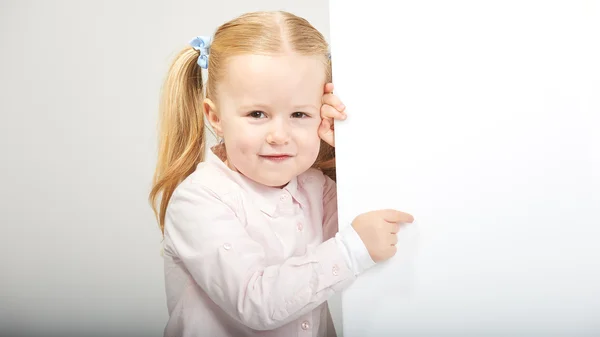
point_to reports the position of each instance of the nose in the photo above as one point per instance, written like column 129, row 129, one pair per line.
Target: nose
column 279, row 133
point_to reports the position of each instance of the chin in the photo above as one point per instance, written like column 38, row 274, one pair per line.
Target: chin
column 275, row 181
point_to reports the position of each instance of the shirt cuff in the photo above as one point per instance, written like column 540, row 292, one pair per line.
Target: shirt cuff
column 332, row 268
column 354, row 250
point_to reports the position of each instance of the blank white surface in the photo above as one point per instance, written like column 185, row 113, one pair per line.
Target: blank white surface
column 482, row 119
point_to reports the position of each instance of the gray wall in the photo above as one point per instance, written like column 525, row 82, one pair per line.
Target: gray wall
column 79, row 89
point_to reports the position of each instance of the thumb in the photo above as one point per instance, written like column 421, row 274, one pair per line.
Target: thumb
column 394, row 216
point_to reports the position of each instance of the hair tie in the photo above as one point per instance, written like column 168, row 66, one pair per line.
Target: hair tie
column 202, row 45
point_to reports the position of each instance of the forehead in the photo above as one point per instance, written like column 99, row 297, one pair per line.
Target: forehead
column 289, row 78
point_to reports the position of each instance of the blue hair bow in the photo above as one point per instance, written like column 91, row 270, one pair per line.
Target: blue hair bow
column 202, row 44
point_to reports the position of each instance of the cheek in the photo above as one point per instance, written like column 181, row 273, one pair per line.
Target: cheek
column 309, row 128
column 309, row 138
column 245, row 148
column 237, row 136
column 241, row 140
column 240, row 143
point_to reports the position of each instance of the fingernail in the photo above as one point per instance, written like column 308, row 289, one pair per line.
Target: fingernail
column 341, row 107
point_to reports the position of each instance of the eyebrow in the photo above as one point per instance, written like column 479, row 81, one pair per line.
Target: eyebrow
column 305, row 106
column 247, row 107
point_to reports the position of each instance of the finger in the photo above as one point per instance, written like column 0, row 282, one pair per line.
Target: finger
column 393, row 240
column 394, row 216
column 394, row 227
column 329, row 112
column 328, row 88
column 393, row 250
column 326, row 133
column 334, row 101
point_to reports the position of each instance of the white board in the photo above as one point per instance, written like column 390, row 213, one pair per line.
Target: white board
column 482, row 119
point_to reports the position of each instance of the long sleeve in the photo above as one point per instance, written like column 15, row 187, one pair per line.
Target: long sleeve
column 355, row 253
column 206, row 235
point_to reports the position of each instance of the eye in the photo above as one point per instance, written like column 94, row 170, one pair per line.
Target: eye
column 299, row 115
column 257, row 114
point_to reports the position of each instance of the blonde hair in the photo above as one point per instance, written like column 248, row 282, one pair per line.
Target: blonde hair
column 181, row 126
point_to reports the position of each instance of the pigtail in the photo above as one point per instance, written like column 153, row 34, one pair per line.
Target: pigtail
column 181, row 130
column 326, row 160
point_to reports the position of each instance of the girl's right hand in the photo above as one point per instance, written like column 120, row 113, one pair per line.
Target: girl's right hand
column 378, row 229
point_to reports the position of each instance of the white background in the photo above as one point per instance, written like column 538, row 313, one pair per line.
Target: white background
column 79, row 89
column 482, row 119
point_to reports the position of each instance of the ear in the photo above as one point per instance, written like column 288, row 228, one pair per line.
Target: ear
column 210, row 113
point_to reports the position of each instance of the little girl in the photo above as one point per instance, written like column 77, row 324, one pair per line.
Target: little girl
column 251, row 241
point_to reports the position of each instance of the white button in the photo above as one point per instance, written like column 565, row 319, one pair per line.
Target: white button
column 335, row 270
column 305, row 325
column 283, row 197
column 300, row 227
column 227, row 246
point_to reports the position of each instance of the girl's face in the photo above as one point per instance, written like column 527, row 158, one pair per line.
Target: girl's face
column 268, row 113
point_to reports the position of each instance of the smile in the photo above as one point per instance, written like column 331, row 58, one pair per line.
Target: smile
column 276, row 157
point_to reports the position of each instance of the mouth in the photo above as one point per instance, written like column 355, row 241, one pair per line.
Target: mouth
column 276, row 157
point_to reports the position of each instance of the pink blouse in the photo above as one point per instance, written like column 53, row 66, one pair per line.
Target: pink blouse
column 242, row 259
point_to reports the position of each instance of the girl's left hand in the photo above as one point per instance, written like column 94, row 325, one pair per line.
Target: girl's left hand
column 332, row 109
